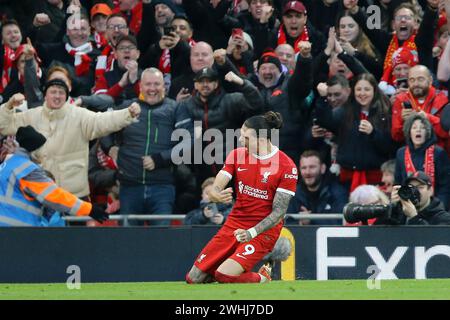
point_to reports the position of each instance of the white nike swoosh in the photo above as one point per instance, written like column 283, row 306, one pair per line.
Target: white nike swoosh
column 239, row 255
column 241, row 169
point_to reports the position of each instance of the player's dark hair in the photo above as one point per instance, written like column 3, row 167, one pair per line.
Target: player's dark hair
column 265, row 123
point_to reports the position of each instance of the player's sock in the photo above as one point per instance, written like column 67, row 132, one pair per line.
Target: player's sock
column 246, row 277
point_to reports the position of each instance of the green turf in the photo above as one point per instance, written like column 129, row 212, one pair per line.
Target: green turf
column 285, row 290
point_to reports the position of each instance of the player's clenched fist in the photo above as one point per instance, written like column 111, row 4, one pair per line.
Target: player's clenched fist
column 242, row 235
column 15, row 101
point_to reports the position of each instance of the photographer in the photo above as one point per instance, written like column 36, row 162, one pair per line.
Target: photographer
column 427, row 210
column 209, row 213
column 411, row 204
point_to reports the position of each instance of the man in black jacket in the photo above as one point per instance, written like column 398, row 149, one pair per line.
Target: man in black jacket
column 145, row 150
column 428, row 211
column 288, row 95
column 220, row 110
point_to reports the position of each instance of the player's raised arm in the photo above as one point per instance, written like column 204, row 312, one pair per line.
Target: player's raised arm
column 279, row 208
column 218, row 192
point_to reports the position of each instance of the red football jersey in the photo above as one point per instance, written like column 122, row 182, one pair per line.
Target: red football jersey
column 257, row 179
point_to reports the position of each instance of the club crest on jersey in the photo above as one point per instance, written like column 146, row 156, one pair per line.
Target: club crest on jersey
column 203, row 256
column 241, row 187
column 265, row 176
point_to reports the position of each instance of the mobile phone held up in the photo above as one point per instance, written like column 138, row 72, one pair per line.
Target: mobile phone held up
column 237, row 32
column 168, row 30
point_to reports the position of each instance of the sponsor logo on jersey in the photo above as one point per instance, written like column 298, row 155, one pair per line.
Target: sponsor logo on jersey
column 252, row 192
column 241, row 169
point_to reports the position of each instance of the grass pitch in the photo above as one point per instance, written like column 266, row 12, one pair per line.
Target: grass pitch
column 281, row 290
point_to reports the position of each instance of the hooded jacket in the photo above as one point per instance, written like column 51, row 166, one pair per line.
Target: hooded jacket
column 441, row 166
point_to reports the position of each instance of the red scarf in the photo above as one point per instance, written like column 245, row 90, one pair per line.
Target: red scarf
column 428, row 165
column 82, row 61
column 164, row 61
column 100, row 40
column 426, row 105
column 282, row 39
column 393, row 46
column 105, row 161
column 8, row 60
column 105, row 62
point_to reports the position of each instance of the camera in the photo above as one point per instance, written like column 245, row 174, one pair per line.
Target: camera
column 409, row 192
column 354, row 212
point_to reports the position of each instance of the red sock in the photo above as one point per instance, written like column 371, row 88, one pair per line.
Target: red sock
column 246, row 277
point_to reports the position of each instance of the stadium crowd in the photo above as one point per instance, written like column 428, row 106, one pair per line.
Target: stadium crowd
column 362, row 86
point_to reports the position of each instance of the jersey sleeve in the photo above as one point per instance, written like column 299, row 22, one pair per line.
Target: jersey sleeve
column 230, row 164
column 288, row 180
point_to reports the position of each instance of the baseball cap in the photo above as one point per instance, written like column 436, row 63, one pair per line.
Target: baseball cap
column 128, row 37
column 101, row 8
column 420, row 176
column 296, row 6
column 445, row 118
column 207, row 73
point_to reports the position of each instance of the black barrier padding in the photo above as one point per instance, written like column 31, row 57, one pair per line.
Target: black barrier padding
column 42, row 255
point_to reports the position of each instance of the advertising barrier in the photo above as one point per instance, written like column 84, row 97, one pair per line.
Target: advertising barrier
column 43, row 255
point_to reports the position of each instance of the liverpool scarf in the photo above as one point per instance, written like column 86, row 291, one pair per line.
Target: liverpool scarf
column 164, row 61
column 428, row 165
column 394, row 45
column 426, row 105
column 8, row 60
column 105, row 62
column 282, row 39
column 82, row 60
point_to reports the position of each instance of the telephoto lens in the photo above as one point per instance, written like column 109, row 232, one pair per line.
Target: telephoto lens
column 354, row 212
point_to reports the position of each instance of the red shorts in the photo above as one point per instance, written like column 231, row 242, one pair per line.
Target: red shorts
column 224, row 246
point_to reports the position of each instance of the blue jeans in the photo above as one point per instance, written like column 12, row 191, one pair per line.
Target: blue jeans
column 147, row 199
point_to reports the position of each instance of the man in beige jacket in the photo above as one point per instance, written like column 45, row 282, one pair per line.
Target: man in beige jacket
column 68, row 130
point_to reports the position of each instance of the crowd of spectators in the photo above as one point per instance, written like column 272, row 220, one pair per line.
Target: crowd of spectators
column 362, row 86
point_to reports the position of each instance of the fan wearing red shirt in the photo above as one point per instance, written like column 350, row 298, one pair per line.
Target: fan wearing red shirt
column 265, row 181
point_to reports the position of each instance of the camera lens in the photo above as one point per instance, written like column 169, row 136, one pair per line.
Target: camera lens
column 405, row 192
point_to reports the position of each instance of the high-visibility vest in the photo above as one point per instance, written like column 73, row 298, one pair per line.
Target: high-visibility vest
column 15, row 208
